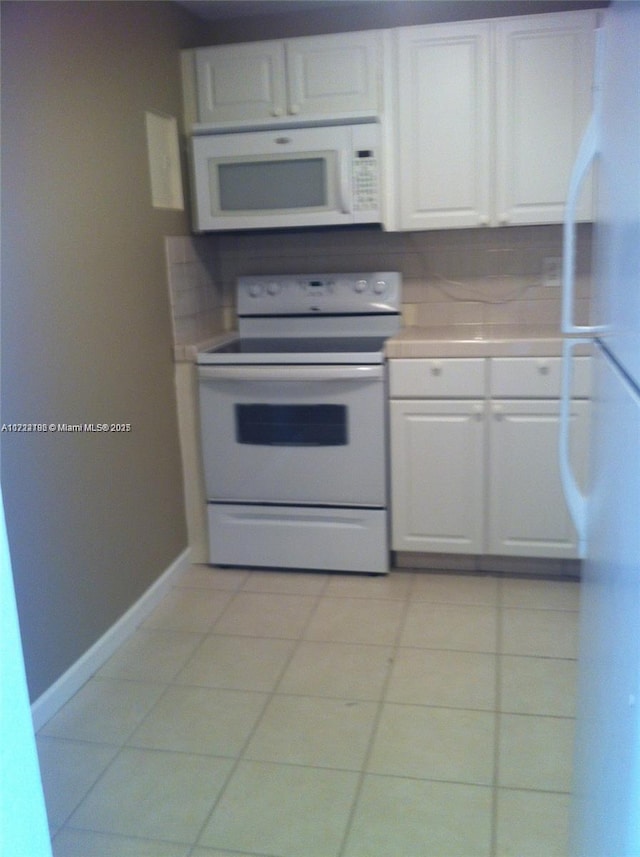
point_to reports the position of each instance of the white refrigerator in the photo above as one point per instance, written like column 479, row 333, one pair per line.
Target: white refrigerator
column 606, row 800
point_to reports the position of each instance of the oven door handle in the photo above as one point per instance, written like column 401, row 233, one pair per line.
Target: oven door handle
column 291, row 373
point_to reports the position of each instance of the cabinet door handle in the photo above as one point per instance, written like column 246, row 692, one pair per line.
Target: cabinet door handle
column 498, row 412
column 277, row 111
column 294, row 109
column 478, row 412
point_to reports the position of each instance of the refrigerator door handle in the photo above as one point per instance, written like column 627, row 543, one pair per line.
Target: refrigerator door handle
column 588, row 151
column 587, row 154
column 576, row 500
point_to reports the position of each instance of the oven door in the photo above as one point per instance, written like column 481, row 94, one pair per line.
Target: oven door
column 294, row 434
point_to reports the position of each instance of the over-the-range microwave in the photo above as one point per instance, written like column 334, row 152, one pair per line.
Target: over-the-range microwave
column 288, row 177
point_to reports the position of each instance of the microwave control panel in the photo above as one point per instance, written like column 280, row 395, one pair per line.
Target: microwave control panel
column 365, row 180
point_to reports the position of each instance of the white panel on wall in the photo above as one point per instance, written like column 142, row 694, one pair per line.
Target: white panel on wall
column 164, row 161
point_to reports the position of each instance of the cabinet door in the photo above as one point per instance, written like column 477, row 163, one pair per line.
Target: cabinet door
column 437, row 475
column 544, row 69
column 238, row 83
column 334, row 74
column 527, row 512
column 443, row 140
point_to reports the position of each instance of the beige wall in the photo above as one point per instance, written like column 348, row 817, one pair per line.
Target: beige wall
column 93, row 519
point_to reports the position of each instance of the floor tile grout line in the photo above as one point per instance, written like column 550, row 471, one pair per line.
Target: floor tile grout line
column 233, row 852
column 88, row 791
column 406, row 599
column 125, row 745
column 269, row 696
column 498, row 721
column 376, row 722
column 120, row 746
column 125, row 836
column 299, row 639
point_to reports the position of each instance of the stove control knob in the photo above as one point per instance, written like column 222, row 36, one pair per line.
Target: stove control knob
column 255, row 290
column 380, row 287
column 274, row 288
column 360, row 286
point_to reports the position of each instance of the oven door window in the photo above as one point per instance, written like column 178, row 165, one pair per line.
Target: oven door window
column 291, row 425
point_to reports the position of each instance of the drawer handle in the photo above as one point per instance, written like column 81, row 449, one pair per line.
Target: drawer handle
column 543, row 367
column 498, row 412
column 436, row 368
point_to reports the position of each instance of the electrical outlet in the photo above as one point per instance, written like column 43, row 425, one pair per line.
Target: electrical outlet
column 552, row 271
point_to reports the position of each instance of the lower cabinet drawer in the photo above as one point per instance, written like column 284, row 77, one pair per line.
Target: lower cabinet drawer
column 418, row 378
column 536, row 377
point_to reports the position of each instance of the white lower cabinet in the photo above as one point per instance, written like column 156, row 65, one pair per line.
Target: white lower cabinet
column 480, row 475
column 437, row 468
column 528, row 515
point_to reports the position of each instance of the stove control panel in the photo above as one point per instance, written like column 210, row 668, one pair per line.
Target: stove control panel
column 320, row 294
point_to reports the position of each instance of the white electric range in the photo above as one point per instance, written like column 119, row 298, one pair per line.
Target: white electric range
column 293, row 423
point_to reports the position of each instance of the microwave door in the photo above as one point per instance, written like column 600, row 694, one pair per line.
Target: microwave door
column 305, row 189
column 273, row 179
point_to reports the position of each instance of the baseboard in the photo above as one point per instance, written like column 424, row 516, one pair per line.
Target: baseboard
column 486, row 564
column 81, row 671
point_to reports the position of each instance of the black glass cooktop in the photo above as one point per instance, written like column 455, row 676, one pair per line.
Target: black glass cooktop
column 302, row 345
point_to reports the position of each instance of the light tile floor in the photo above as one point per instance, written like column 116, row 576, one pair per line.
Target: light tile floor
column 312, row 715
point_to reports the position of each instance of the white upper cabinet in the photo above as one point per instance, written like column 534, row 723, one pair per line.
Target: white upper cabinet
column 259, row 82
column 544, row 72
column 334, row 74
column 480, row 120
column 239, row 82
column 489, row 119
column 443, row 135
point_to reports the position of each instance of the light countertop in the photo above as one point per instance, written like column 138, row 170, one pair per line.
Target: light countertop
column 188, row 353
column 463, row 340
column 471, row 340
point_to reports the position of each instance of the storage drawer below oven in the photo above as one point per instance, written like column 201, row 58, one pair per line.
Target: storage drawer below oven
column 343, row 539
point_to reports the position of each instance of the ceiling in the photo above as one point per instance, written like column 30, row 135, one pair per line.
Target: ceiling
column 222, row 10
column 438, row 10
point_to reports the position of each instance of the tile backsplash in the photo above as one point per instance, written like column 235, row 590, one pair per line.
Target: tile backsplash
column 198, row 308
column 466, row 276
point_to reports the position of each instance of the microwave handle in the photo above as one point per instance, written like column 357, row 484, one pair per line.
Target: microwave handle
column 343, row 184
